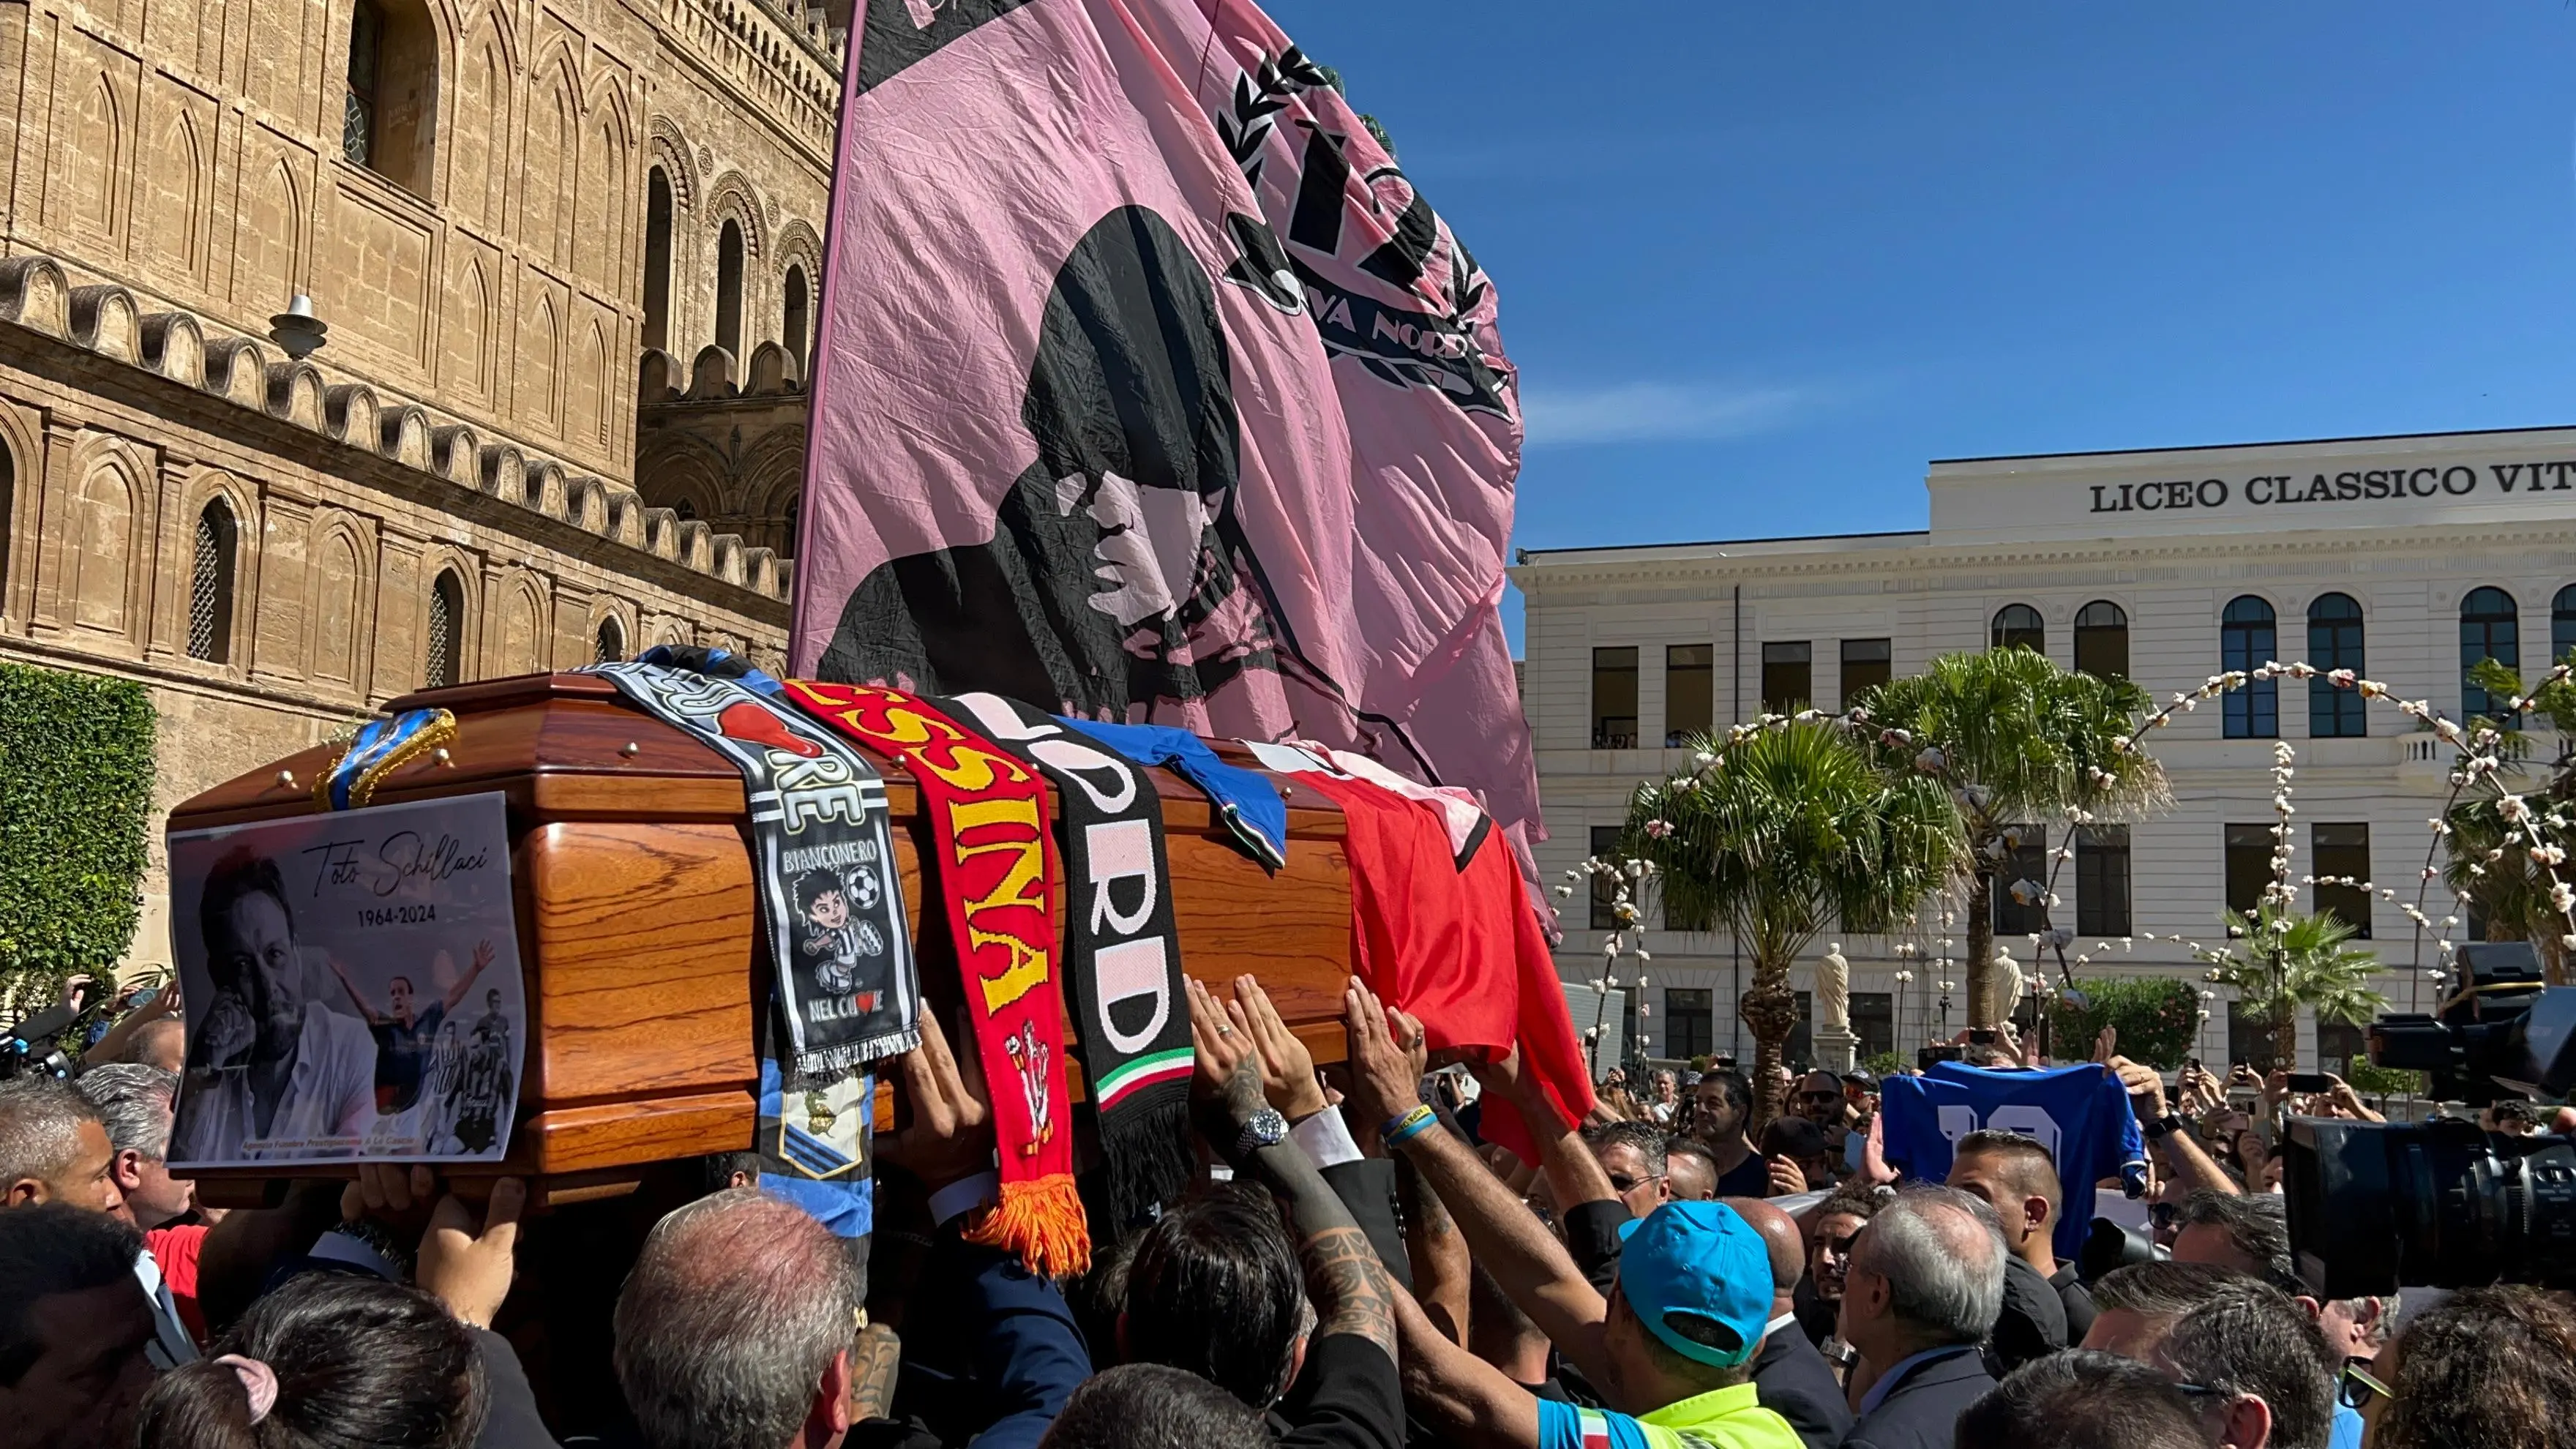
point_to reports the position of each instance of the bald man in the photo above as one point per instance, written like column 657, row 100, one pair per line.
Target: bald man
column 1790, row 1378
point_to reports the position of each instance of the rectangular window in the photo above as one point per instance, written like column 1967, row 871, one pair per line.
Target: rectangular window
column 1867, row 664
column 1873, row 1016
column 1801, row 1047
column 2249, row 1038
column 2102, row 880
column 1690, row 1023
column 2249, row 867
column 2339, row 1046
column 2028, row 861
column 1614, row 699
column 2342, row 851
column 1605, row 890
column 1690, row 694
column 1788, row 677
column 1675, row 920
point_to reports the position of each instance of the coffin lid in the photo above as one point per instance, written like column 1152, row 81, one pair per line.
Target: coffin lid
column 568, row 746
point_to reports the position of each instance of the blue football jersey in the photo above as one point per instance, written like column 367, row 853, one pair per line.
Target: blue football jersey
column 2079, row 1113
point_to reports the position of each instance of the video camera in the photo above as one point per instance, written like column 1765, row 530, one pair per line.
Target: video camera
column 28, row 1046
column 2442, row 1204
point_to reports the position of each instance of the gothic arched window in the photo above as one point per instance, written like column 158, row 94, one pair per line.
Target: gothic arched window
column 791, row 331
column 729, row 289
column 444, row 664
column 657, row 259
column 210, row 585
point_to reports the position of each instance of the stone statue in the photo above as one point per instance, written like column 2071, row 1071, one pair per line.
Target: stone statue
column 1833, row 990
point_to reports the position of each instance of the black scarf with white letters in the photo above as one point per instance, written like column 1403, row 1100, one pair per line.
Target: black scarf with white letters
column 1122, row 953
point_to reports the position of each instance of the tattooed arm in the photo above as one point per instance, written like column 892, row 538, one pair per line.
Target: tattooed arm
column 1349, row 1287
column 874, row 1360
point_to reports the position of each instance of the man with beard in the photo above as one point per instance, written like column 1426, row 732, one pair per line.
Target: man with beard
column 1720, row 1104
column 267, row 1066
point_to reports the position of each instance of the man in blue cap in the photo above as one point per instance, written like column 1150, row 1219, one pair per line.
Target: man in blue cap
column 1671, row 1347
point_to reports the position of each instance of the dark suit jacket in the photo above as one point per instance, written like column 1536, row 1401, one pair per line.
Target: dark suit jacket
column 1922, row 1411
column 1367, row 1188
column 1792, row 1380
column 991, row 1351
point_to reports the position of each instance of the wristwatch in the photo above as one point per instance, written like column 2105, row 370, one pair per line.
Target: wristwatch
column 2165, row 1126
column 1266, row 1129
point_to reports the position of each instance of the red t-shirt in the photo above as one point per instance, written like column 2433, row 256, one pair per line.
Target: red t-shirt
column 176, row 1250
column 1459, row 948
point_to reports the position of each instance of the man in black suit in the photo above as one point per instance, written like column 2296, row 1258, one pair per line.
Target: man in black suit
column 1925, row 1286
column 1790, row 1378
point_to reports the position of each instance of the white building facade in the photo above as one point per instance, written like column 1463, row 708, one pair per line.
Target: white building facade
column 2404, row 558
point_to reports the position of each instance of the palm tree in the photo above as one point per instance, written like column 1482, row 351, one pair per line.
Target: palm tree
column 1790, row 832
column 2284, row 960
column 2016, row 741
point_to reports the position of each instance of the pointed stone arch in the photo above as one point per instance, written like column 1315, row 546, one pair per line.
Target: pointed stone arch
column 268, row 240
column 469, row 312
column 108, row 533
column 607, row 157
column 547, row 173
column 479, row 123
column 337, row 577
column 587, row 423
column 539, row 392
column 176, row 181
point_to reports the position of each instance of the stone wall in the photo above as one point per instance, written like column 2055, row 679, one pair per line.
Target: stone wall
column 731, row 456
column 486, row 256
column 124, row 433
column 465, row 189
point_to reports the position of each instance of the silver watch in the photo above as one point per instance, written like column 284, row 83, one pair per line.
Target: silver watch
column 1266, row 1129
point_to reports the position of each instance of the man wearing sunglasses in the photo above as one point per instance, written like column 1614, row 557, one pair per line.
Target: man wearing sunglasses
column 2249, row 1356
column 1632, row 1155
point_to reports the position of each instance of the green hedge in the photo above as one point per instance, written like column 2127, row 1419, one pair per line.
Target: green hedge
column 75, row 794
column 2158, row 1019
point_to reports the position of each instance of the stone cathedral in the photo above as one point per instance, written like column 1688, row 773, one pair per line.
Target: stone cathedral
column 561, row 258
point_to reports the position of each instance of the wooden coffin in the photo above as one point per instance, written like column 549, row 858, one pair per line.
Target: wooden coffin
column 634, row 891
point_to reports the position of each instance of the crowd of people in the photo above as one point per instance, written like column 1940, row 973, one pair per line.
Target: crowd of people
column 1355, row 1267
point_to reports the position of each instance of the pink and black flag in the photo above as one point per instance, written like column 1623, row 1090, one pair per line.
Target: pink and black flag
column 1148, row 389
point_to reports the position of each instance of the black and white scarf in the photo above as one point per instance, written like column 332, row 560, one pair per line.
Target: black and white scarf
column 830, row 896
column 1121, row 950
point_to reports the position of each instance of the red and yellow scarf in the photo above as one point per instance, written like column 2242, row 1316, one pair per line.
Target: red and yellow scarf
column 995, row 862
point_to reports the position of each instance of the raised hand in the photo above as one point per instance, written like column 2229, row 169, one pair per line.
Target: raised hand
column 1287, row 1068
column 2146, row 1087
column 1225, row 1090
column 1786, row 1178
column 1387, row 1056
column 951, row 1135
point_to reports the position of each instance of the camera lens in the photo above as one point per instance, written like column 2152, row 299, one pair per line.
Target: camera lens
column 2441, row 1205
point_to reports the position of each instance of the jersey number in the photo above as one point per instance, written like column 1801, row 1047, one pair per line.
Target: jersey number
column 1959, row 1119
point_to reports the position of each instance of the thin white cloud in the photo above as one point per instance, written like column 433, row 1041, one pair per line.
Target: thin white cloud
column 1642, row 412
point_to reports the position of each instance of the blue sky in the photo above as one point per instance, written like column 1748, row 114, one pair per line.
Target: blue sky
column 1760, row 263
